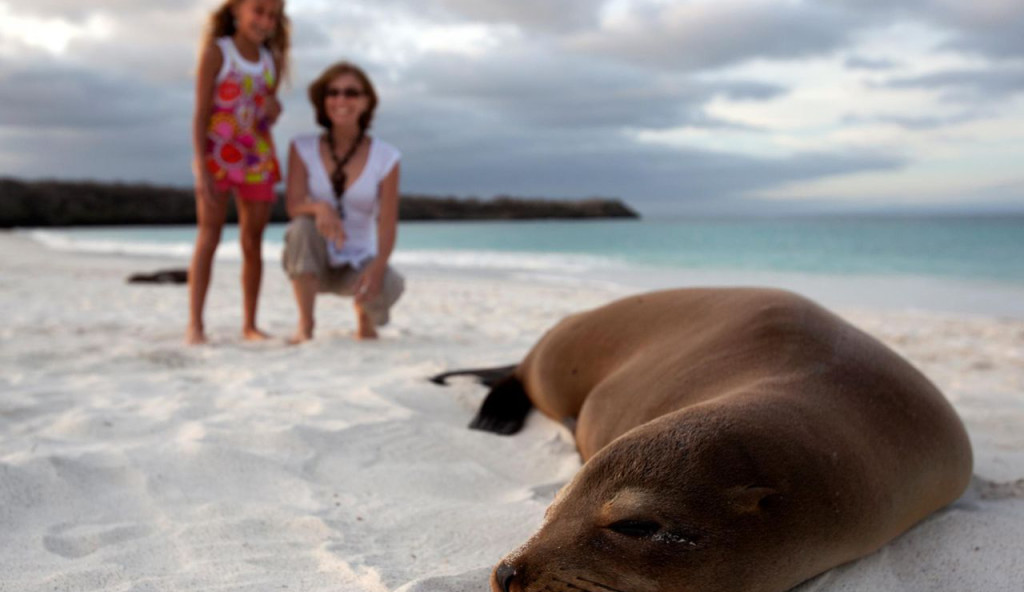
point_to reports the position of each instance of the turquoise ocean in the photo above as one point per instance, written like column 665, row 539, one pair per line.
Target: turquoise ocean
column 960, row 264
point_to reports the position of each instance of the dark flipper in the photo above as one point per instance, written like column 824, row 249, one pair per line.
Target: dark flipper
column 487, row 376
column 505, row 408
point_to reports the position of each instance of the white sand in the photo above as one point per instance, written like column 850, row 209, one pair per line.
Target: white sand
column 129, row 462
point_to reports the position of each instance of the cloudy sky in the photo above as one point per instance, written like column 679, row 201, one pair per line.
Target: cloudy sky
column 676, row 106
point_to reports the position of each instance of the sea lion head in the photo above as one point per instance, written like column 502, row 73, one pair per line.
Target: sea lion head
column 671, row 506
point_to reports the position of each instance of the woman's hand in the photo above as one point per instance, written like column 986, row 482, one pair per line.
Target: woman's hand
column 369, row 283
column 329, row 225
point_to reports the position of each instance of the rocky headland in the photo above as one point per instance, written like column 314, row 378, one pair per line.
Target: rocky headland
column 89, row 203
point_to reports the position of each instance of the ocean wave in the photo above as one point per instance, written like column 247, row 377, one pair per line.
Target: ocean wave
column 507, row 261
column 69, row 243
column 175, row 249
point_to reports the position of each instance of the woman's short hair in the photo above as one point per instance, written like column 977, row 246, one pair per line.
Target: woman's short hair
column 318, row 93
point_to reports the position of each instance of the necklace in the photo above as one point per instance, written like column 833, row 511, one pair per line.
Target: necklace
column 338, row 177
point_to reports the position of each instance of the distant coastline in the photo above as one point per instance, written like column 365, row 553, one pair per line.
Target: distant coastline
column 91, row 203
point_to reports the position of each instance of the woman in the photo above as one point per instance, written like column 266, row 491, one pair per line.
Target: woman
column 342, row 196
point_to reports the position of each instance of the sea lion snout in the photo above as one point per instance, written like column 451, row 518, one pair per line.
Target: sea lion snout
column 503, row 577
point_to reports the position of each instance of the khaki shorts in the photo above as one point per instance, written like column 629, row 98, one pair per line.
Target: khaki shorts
column 305, row 251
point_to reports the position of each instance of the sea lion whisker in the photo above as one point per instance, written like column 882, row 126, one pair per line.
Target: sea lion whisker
column 599, row 585
column 570, row 585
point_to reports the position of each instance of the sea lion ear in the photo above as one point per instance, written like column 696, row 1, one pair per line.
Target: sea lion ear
column 753, row 499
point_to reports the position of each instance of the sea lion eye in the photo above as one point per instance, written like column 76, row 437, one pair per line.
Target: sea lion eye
column 635, row 528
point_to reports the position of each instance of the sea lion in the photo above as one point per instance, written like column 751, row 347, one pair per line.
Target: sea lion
column 163, row 276
column 734, row 439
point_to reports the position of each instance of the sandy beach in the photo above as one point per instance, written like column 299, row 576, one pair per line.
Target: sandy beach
column 129, row 462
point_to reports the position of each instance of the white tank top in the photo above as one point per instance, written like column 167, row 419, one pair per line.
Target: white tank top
column 262, row 68
column 361, row 198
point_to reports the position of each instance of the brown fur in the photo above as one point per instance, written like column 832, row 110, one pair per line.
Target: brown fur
column 766, row 438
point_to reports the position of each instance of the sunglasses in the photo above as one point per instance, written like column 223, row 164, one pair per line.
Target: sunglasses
column 348, row 93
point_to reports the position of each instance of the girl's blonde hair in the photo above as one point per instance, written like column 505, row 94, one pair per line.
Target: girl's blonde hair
column 222, row 22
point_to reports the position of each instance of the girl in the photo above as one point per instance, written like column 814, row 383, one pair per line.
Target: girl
column 342, row 196
column 243, row 58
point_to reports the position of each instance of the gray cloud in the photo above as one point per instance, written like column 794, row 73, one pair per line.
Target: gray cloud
column 549, row 114
column 864, row 63
column 988, row 27
column 463, row 152
column 532, row 17
column 77, row 11
column 542, row 14
column 159, row 152
column 156, row 42
column 536, row 87
column 969, row 85
column 922, row 123
column 50, row 95
column 679, row 38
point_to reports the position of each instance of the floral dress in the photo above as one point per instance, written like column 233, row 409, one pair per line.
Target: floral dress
column 239, row 148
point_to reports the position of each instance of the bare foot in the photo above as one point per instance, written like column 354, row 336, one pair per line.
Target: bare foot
column 254, row 334
column 195, row 336
column 365, row 329
column 301, row 336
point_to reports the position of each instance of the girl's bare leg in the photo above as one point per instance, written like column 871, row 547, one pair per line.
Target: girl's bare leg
column 305, row 287
column 210, row 220
column 252, row 221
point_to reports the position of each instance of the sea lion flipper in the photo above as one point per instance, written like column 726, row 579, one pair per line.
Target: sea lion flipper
column 487, row 376
column 504, row 409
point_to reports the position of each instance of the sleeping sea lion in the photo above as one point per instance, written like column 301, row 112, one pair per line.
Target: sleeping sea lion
column 734, row 439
